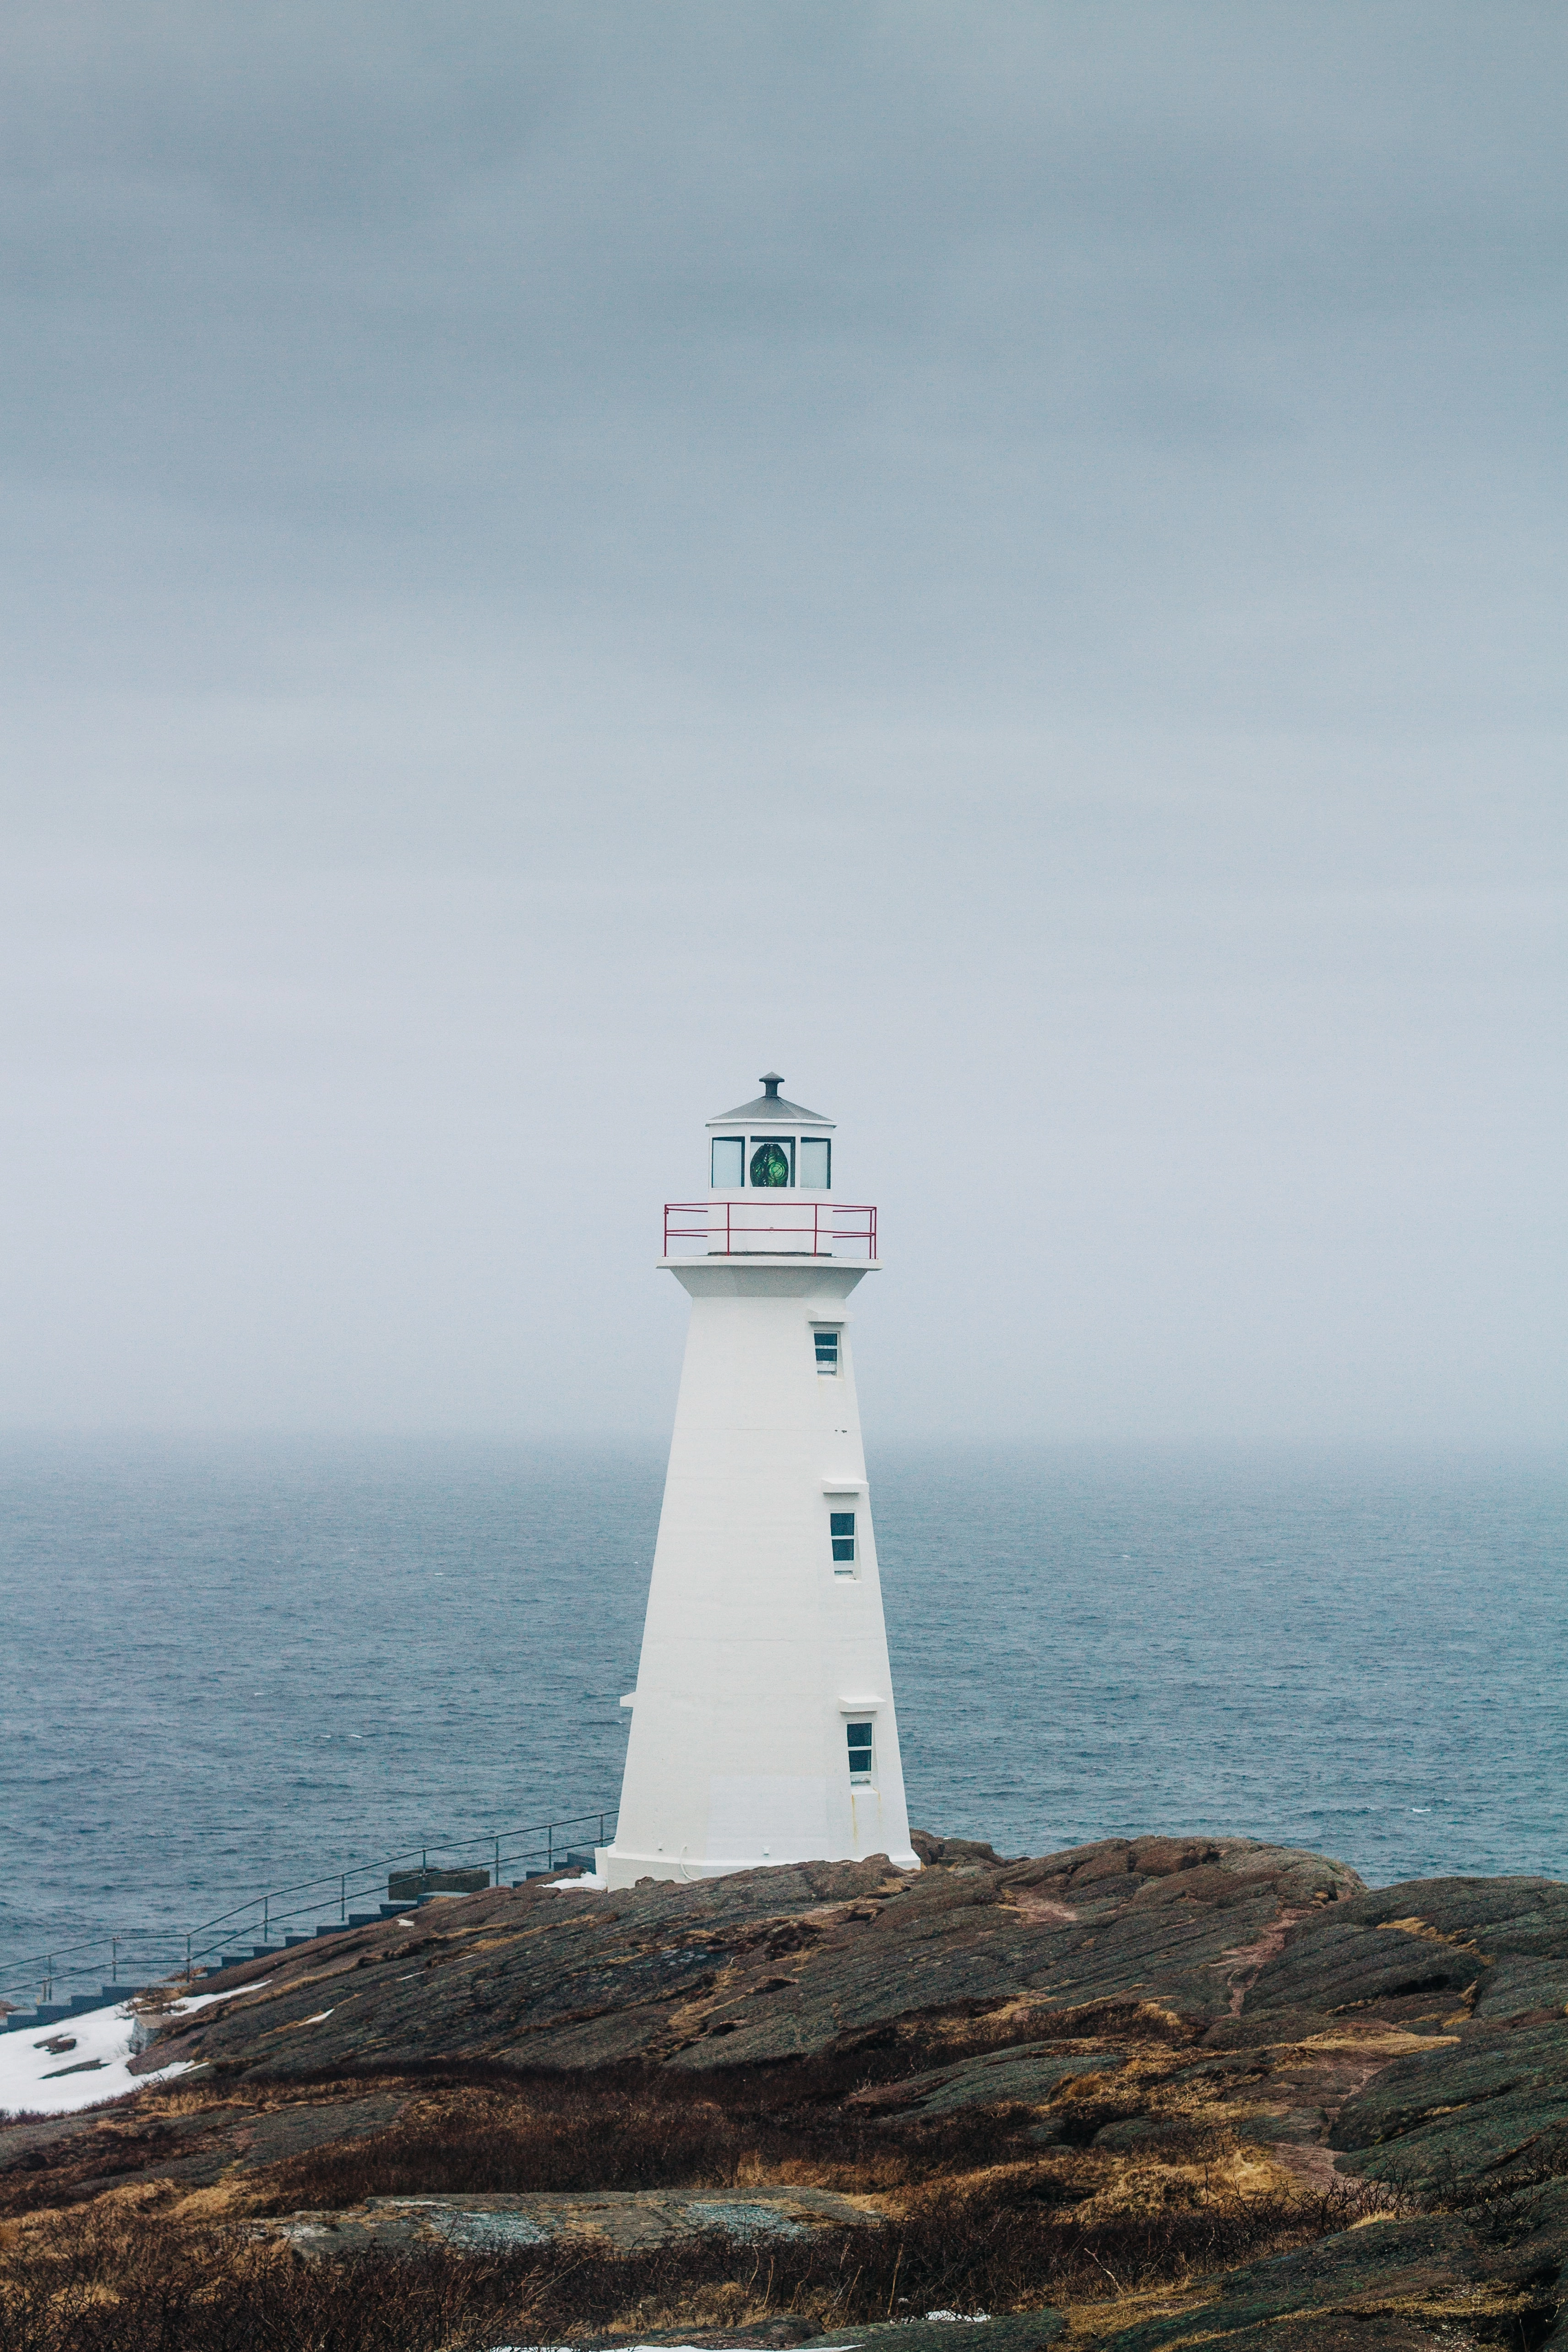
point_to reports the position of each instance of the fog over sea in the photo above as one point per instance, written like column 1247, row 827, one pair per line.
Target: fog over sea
column 228, row 1665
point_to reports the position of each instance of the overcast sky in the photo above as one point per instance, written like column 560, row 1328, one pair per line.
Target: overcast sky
column 1005, row 561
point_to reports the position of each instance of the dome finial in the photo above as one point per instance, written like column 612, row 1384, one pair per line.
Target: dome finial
column 771, row 1083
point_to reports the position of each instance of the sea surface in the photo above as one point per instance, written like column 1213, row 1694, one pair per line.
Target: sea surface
column 225, row 1667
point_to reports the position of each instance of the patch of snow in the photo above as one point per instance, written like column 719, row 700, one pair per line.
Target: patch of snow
column 32, row 2080
column 195, row 2001
column 321, row 2015
column 595, row 1886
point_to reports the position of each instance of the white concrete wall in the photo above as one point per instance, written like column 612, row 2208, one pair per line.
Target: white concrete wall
column 755, row 1655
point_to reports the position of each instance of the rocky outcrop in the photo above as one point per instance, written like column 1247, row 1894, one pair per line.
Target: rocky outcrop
column 195, row 2146
column 1181, row 2090
column 1492, row 1949
column 626, row 2220
column 1401, row 2287
column 774, row 1965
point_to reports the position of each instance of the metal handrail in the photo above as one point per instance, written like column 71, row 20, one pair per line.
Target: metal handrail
column 505, row 1845
column 740, row 1222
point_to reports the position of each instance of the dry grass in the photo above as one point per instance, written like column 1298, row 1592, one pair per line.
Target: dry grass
column 650, row 2131
column 492, row 2128
column 983, row 2217
column 110, row 2279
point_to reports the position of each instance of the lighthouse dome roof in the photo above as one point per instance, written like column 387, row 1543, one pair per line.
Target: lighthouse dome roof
column 770, row 1104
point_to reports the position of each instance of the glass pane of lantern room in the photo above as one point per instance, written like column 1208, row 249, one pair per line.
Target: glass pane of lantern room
column 814, row 1162
column 729, row 1163
column 772, row 1159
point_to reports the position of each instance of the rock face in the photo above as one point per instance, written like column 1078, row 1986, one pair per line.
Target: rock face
column 196, row 2148
column 627, row 2220
column 1408, row 2286
column 1497, row 1948
column 1153, row 2082
column 773, row 1965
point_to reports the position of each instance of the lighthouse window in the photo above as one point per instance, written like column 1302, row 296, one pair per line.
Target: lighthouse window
column 816, row 1163
column 841, row 1529
column 772, row 1159
column 826, row 1350
column 729, row 1163
column 859, row 1751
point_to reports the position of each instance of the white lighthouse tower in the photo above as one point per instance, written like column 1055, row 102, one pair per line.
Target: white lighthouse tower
column 762, row 1727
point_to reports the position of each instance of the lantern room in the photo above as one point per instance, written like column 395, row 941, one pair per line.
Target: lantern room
column 769, row 1188
column 770, row 1146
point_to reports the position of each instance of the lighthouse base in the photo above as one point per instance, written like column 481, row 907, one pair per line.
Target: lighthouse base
column 618, row 1869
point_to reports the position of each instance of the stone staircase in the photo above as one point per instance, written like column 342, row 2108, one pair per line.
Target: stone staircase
column 51, row 2013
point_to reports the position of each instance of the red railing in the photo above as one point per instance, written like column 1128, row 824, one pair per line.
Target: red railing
column 800, row 1228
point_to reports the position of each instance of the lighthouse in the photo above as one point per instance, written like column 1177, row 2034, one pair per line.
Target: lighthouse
column 762, row 1727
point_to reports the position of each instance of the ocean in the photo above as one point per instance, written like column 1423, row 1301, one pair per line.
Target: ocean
column 229, row 1666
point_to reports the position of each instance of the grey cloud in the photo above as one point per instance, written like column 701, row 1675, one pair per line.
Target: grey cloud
column 1011, row 556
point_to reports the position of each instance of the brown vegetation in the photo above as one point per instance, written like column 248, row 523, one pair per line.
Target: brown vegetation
column 980, row 2219
column 1117, row 2081
column 112, row 2278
